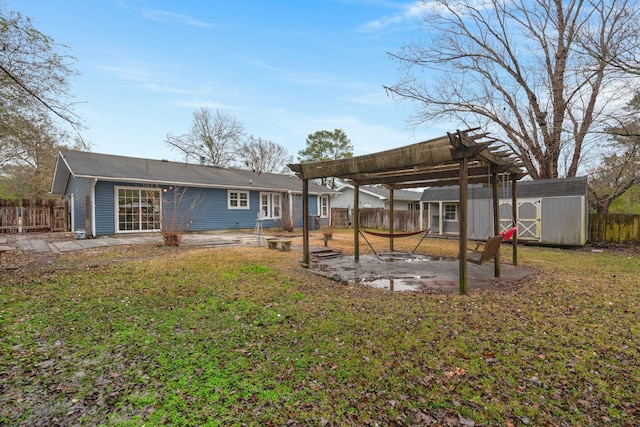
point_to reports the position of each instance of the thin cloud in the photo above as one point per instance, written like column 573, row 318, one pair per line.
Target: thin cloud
column 144, row 80
column 129, row 73
column 173, row 18
column 260, row 64
column 195, row 105
column 370, row 97
column 408, row 13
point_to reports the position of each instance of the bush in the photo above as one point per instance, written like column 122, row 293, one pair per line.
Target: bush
column 172, row 238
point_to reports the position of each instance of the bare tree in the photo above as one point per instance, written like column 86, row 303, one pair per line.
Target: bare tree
column 34, row 100
column 178, row 210
column 261, row 155
column 623, row 52
column 519, row 69
column 213, row 139
column 34, row 72
column 619, row 169
column 28, row 152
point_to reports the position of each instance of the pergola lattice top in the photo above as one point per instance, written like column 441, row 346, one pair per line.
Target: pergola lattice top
column 430, row 163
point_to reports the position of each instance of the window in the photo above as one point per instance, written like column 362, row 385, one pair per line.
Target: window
column 413, row 206
column 324, row 206
column 238, row 199
column 270, row 205
column 138, row 209
column 450, row 212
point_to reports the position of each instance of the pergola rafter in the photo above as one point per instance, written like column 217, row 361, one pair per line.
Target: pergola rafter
column 458, row 158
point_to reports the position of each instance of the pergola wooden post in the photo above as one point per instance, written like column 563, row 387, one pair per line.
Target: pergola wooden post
column 496, row 220
column 356, row 223
column 305, row 222
column 462, row 224
column 391, row 219
column 514, row 214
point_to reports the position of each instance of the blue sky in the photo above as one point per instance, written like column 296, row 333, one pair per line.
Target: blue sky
column 285, row 69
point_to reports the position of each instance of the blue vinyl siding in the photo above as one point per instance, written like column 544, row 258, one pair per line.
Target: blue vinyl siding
column 80, row 188
column 105, row 207
column 210, row 211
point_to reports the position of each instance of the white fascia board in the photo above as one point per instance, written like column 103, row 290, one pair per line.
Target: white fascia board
column 191, row 184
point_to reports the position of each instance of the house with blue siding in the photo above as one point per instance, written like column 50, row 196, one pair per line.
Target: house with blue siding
column 111, row 194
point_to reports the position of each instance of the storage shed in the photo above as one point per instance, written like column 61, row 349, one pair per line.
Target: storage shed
column 550, row 211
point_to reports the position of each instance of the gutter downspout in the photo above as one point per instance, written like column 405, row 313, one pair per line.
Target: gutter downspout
column 72, row 211
column 93, row 207
column 291, row 216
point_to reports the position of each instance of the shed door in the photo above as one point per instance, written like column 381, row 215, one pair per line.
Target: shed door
column 529, row 213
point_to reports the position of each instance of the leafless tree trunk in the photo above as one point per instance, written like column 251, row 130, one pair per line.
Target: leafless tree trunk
column 519, row 69
column 214, row 138
column 291, row 211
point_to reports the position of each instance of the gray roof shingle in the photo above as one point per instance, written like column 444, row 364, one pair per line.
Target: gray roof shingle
column 526, row 189
column 109, row 167
column 384, row 193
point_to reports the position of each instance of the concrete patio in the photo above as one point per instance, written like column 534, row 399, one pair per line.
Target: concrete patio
column 418, row 273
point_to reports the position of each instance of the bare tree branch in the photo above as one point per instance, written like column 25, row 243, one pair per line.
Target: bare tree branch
column 520, row 69
column 260, row 155
column 214, row 138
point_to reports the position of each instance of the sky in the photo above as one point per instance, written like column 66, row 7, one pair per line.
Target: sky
column 283, row 68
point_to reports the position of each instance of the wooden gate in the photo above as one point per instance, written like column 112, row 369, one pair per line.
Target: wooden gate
column 29, row 215
column 9, row 216
column 340, row 217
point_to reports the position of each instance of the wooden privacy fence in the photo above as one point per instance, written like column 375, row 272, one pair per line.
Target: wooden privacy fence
column 33, row 215
column 9, row 216
column 614, row 228
column 378, row 218
column 340, row 217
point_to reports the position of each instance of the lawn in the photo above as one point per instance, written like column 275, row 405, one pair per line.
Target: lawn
column 147, row 335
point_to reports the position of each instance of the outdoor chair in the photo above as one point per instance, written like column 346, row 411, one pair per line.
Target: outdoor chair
column 491, row 248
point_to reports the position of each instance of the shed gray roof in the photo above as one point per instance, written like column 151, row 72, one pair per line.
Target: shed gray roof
column 107, row 167
column 557, row 187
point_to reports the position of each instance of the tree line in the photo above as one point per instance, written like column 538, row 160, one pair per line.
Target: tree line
column 218, row 138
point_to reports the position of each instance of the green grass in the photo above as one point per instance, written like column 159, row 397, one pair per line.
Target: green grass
column 244, row 336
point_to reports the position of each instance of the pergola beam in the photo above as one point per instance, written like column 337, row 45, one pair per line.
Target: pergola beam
column 428, row 174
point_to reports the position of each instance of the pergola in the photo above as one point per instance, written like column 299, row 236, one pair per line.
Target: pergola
column 460, row 158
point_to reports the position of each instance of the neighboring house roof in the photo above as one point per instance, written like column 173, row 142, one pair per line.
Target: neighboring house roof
column 557, row 187
column 383, row 193
column 107, row 167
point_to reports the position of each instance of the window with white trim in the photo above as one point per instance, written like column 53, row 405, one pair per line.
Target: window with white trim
column 138, row 209
column 450, row 212
column 237, row 199
column 324, row 206
column 271, row 205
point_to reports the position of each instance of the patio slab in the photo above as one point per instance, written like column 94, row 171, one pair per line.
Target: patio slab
column 417, row 273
